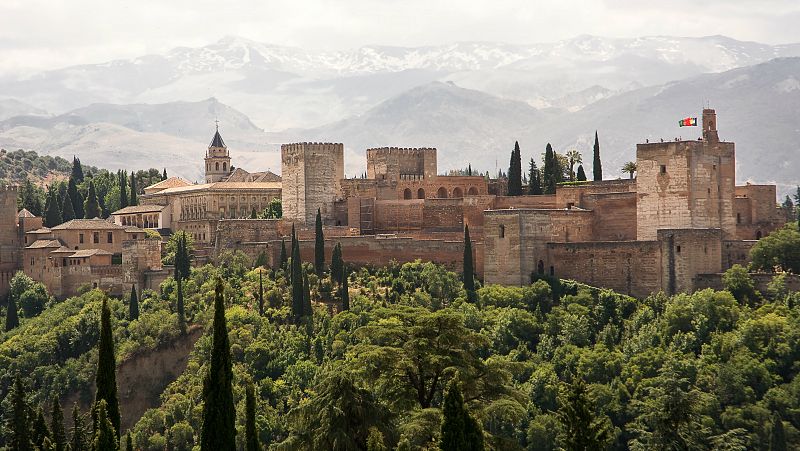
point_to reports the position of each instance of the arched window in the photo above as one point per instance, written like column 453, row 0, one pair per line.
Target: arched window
column 216, row 166
column 758, row 235
column 407, row 193
column 502, row 231
column 224, row 166
column 540, row 267
column 420, row 193
column 441, row 193
column 458, row 193
column 472, row 191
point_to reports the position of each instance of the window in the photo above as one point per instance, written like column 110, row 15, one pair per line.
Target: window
column 407, row 193
column 678, row 249
column 502, row 231
column 96, row 237
column 663, row 169
column 32, row 261
column 110, row 237
column 216, row 166
column 738, row 218
column 420, row 193
column 80, row 238
column 552, row 271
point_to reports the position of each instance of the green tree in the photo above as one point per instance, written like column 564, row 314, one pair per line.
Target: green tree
column 260, row 292
column 459, row 430
column 78, row 441
column 550, row 171
column 91, row 207
column 122, row 180
column 133, row 305
column 580, row 429
column 581, row 174
column 180, row 307
column 319, row 245
column 375, row 440
column 468, row 272
column 57, row 426
column 106, row 377
column 12, row 317
column 630, row 168
column 534, row 179
column 39, row 431
column 780, row 248
column 515, row 172
column 777, row 436
column 105, row 437
column 134, row 196
column 597, row 165
column 77, row 170
column 284, row 257
column 164, row 175
column 344, row 291
column 250, row 431
column 19, row 425
column 297, row 283
column 67, row 212
column 219, row 414
column 128, row 442
column 52, row 216
column 76, row 198
column 337, row 264
column 738, row 281
column 307, row 312
column 573, row 157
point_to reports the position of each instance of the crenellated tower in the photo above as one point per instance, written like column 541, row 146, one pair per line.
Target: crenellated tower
column 218, row 160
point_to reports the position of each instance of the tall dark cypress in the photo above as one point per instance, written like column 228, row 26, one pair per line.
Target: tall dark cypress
column 133, row 305
column 40, row 432
column 76, row 198
column 297, row 283
column 597, row 165
column 580, row 429
column 319, row 245
column 180, row 308
column 549, row 173
column 105, row 437
column 459, row 430
column 52, row 213
column 534, row 179
column 57, row 426
column 777, row 437
column 122, row 182
column 77, row 170
column 219, row 415
column 515, row 172
column 128, row 442
column 284, row 257
column 20, row 424
column 78, row 442
column 134, row 196
column 91, row 207
column 337, row 264
column 67, row 212
column 250, row 432
column 12, row 316
column 469, row 268
column 164, row 175
column 581, row 177
column 106, row 378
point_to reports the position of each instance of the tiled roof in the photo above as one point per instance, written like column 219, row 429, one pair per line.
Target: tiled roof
column 89, row 253
column 139, row 209
column 224, row 186
column 63, row 250
column 88, row 224
column 41, row 244
column 24, row 213
column 41, row 230
column 172, row 182
column 217, row 140
column 133, row 229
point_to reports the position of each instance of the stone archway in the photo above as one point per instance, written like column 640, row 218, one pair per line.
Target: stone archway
column 441, row 193
column 458, row 193
column 407, row 193
column 420, row 193
column 472, row 191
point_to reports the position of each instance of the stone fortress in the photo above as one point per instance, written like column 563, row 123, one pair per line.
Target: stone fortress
column 679, row 222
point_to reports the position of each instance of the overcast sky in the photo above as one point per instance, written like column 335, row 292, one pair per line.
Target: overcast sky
column 41, row 34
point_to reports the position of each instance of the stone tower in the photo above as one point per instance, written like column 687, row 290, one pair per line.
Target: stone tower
column 9, row 238
column 218, row 160
column 686, row 184
column 311, row 175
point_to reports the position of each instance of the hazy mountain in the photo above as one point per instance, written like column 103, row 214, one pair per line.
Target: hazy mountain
column 283, row 87
column 12, row 107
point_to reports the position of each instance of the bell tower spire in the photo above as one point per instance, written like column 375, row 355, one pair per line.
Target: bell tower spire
column 218, row 160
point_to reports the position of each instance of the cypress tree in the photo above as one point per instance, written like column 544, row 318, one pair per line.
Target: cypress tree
column 134, row 199
column 534, row 177
column 12, row 317
column 52, row 216
column 297, row 283
column 78, row 441
column 580, row 429
column 219, row 415
column 260, row 293
column 337, row 264
column 77, row 170
column 122, row 181
column 345, row 290
column 515, row 172
column 57, row 426
column 67, row 212
column 469, row 268
column 76, row 198
column 306, row 296
column 549, row 173
column 133, row 305
column 180, row 308
column 777, row 437
column 250, row 432
column 19, row 426
column 106, row 378
column 319, row 245
column 128, row 441
column 164, row 175
column 40, row 432
column 581, row 177
column 459, row 430
column 91, row 207
column 469, row 169
column 105, row 437
column 597, row 166
column 284, row 257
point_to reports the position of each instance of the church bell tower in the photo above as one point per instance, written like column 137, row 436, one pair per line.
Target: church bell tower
column 218, row 161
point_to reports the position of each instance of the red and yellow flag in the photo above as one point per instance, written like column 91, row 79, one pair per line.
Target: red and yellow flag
column 688, row 122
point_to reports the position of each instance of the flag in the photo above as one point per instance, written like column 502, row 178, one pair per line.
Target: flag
column 688, row 122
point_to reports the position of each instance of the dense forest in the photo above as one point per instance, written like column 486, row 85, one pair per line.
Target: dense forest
column 412, row 356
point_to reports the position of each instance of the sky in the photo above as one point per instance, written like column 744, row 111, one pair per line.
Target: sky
column 46, row 34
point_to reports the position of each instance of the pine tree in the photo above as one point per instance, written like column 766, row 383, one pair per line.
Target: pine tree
column 534, row 179
column 580, row 429
column 597, row 166
column 337, row 264
column 78, row 441
column 134, row 197
column 180, row 308
column 284, row 257
column 133, row 305
column 297, row 283
column 219, row 415
column 515, row 172
column 105, row 437
column 581, row 177
column 122, row 181
column 345, row 290
column 319, row 245
column 40, row 432
column 250, row 432
column 91, row 207
column 76, row 198
column 459, row 431
column 777, row 436
column 106, row 378
column 12, row 317
column 52, row 216
column 57, row 426
column 468, row 271
column 77, row 170
column 19, row 426
column 164, row 175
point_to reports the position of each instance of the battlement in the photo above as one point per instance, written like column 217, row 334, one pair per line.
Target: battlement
column 400, row 150
column 303, row 146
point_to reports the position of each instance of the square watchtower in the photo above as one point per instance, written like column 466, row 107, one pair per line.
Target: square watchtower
column 311, row 175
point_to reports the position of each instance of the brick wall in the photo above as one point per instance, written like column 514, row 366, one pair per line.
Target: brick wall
column 397, row 215
column 686, row 253
column 735, row 252
column 443, row 215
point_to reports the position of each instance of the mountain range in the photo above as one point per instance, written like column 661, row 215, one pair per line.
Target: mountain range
column 470, row 100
